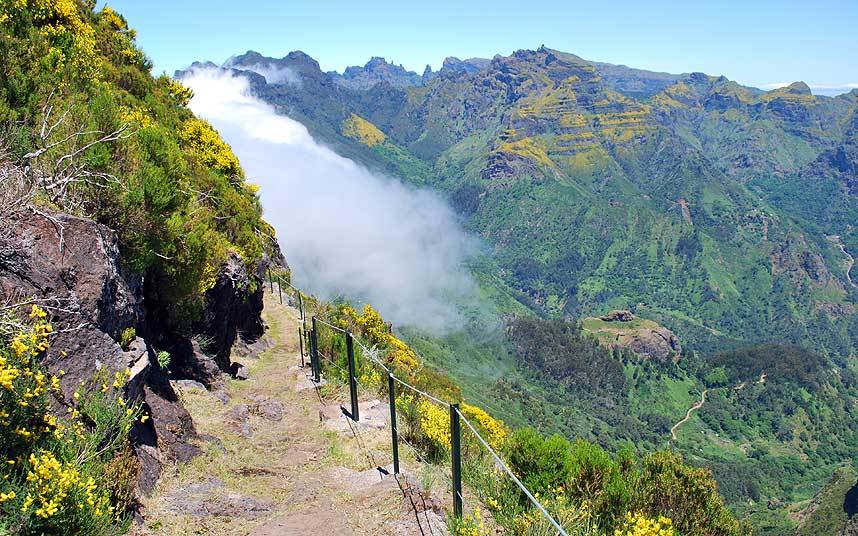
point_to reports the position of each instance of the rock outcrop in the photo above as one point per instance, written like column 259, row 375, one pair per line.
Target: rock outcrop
column 655, row 343
column 71, row 266
column 618, row 316
column 622, row 329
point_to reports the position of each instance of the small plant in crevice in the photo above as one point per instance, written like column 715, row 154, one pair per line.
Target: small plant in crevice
column 164, row 359
column 127, row 337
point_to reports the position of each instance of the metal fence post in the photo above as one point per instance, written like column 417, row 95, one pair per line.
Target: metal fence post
column 280, row 289
column 456, row 443
column 314, row 353
column 270, row 280
column 301, row 345
column 394, row 435
column 350, row 352
column 301, row 309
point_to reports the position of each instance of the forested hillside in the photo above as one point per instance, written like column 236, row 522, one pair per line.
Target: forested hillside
column 712, row 204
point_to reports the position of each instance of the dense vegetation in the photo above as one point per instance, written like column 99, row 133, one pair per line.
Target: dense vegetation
column 589, row 491
column 776, row 420
column 103, row 138
column 85, row 129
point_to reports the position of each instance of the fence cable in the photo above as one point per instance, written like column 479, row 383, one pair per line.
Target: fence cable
column 422, row 393
column 420, row 457
column 510, row 473
column 335, row 328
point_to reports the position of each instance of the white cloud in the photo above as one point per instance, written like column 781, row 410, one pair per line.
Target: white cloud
column 345, row 230
column 822, row 89
column 274, row 74
column 775, row 85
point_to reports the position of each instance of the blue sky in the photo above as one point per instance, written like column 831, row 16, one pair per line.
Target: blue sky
column 760, row 43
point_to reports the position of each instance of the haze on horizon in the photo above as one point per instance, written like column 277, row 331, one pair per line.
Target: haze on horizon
column 763, row 44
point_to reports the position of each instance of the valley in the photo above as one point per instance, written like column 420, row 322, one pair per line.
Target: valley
column 589, row 197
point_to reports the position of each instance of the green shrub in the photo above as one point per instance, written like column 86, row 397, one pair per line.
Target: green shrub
column 597, row 478
column 687, row 495
column 542, row 463
column 164, row 359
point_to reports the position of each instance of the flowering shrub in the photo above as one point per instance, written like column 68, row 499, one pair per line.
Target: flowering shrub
column 182, row 94
column 71, row 42
column 492, row 429
column 435, row 423
column 52, row 468
column 205, row 144
column 372, row 326
column 640, row 525
column 470, row 525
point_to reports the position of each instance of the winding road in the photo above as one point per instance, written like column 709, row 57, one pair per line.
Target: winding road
column 699, row 404
column 850, row 260
column 692, row 409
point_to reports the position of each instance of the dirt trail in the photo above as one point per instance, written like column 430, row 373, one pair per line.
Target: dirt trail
column 699, row 404
column 850, row 260
column 280, row 460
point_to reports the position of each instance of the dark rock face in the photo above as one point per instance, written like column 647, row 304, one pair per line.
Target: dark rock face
column 657, row 343
column 232, row 312
column 71, row 266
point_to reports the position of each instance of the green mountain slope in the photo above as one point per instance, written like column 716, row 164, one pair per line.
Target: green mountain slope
column 724, row 213
column 706, row 201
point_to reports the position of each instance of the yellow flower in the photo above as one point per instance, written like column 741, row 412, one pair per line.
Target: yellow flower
column 640, row 525
column 435, row 422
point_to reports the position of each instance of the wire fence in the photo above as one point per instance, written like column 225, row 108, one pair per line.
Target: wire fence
column 360, row 369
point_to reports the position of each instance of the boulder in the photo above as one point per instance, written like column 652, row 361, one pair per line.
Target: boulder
column 655, row 343
column 618, row 316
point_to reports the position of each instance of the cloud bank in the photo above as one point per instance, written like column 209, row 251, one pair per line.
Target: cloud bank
column 274, row 74
column 345, row 231
column 817, row 89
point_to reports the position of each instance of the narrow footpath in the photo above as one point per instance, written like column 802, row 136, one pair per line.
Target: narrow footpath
column 280, row 458
column 850, row 260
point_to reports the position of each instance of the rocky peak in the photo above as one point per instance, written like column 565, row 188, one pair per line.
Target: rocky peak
column 455, row 65
column 248, row 58
column 797, row 88
column 299, row 58
column 376, row 71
